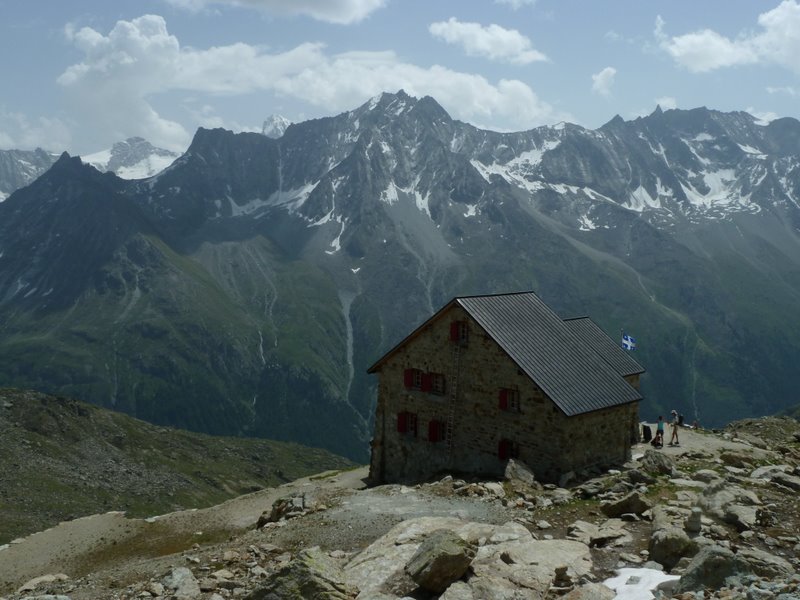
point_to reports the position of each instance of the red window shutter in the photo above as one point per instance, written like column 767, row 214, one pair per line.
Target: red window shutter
column 402, row 422
column 503, row 449
column 408, row 378
column 433, row 431
column 455, row 331
column 504, row 399
column 427, row 382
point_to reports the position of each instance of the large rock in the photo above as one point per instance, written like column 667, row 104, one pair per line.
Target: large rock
column 709, row 569
column 440, row 560
column 670, row 544
column 612, row 532
column 787, row 480
column 741, row 517
column 719, row 496
column 312, row 574
column 509, row 562
column 516, row 470
column 764, row 564
column 654, row 461
column 632, row 503
column 183, row 584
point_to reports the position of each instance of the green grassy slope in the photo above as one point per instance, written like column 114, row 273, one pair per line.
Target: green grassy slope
column 61, row 459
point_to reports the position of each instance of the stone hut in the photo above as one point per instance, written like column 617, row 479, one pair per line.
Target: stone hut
column 488, row 378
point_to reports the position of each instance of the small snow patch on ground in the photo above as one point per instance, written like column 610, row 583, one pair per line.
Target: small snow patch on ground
column 637, row 583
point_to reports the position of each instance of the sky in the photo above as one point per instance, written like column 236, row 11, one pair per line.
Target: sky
column 80, row 75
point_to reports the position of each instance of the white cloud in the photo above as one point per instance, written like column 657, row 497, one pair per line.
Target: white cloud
column 18, row 131
column 492, row 41
column 764, row 116
column 602, row 81
column 333, row 11
column 516, row 4
column 778, row 42
column 667, row 102
column 787, row 89
column 345, row 80
column 114, row 86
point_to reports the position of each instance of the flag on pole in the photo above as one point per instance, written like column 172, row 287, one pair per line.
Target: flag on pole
column 628, row 343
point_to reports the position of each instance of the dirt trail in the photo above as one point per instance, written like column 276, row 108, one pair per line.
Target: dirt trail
column 107, row 540
column 699, row 441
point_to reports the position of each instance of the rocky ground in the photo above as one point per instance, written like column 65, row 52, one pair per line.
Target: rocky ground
column 720, row 513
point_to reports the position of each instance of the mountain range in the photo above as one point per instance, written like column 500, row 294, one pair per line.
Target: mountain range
column 135, row 158
column 246, row 288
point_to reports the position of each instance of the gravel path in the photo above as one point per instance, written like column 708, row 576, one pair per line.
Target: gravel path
column 107, row 541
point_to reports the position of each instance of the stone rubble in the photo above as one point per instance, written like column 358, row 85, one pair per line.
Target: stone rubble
column 715, row 528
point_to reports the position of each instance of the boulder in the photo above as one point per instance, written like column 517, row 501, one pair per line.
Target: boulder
column 768, row 471
column 182, row 583
column 670, row 544
column 708, row 569
column 741, row 517
column 637, row 476
column 764, row 564
column 706, row 475
column 654, row 461
column 718, row 496
column 516, row 470
column 787, row 480
column 440, row 560
column 736, row 459
column 40, row 581
column 312, row 574
column 632, row 503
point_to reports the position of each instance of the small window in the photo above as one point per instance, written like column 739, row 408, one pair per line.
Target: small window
column 509, row 400
column 459, row 332
column 437, row 431
column 507, row 449
column 438, row 385
column 412, row 379
column 407, row 423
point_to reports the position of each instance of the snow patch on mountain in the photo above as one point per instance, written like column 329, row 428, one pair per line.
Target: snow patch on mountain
column 755, row 152
column 3, row 196
column 586, row 224
column 393, row 192
column 641, row 199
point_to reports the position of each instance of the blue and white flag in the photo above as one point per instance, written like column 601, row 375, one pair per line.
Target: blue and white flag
column 628, row 343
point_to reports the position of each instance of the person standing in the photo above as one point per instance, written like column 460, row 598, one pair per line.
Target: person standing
column 673, row 440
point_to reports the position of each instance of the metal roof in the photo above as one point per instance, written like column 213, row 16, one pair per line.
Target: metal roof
column 608, row 349
column 572, row 374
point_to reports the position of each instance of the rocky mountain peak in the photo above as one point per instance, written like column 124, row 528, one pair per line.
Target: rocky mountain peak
column 134, row 158
column 275, row 126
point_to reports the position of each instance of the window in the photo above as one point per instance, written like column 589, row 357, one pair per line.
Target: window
column 412, row 379
column 415, row 379
column 407, row 423
column 435, row 384
column 507, row 449
column 459, row 332
column 437, row 431
column 509, row 400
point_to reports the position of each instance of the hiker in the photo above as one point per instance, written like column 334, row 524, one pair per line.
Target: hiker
column 673, row 441
column 658, row 441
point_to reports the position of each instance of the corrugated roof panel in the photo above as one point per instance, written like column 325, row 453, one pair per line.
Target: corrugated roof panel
column 610, row 351
column 552, row 354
